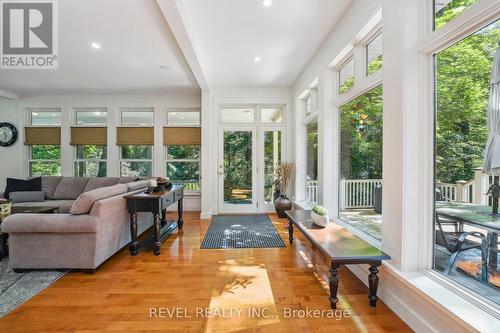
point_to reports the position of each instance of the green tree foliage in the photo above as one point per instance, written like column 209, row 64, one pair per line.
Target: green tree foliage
column 139, row 168
column 183, row 165
column 453, row 9
column 361, row 150
column 49, row 163
column 463, row 73
column 237, row 166
column 312, row 151
column 272, row 158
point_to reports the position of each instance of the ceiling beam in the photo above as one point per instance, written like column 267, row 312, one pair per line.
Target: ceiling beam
column 8, row 95
column 172, row 11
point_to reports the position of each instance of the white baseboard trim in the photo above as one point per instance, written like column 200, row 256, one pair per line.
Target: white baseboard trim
column 421, row 311
column 206, row 215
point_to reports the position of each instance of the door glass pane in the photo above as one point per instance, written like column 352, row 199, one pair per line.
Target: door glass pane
column 466, row 247
column 272, row 158
column 237, row 115
column 238, row 167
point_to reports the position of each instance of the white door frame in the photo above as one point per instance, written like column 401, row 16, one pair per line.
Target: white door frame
column 225, row 208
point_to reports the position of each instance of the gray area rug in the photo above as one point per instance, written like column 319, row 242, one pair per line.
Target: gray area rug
column 241, row 231
column 17, row 288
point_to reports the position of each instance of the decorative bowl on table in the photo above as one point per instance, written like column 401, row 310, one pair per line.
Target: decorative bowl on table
column 319, row 215
column 164, row 183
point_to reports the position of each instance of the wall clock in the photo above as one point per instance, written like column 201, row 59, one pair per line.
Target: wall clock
column 8, row 134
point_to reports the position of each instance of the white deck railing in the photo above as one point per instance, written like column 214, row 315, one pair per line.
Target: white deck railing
column 312, row 191
column 358, row 193
column 472, row 191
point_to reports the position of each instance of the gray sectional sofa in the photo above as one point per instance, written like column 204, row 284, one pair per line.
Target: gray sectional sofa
column 92, row 224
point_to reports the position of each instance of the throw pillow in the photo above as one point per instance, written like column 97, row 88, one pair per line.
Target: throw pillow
column 21, row 185
column 27, row 196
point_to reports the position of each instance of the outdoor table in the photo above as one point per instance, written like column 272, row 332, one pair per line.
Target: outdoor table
column 477, row 216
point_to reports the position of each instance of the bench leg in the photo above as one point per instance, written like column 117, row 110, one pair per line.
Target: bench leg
column 373, row 285
column 290, row 231
column 334, row 286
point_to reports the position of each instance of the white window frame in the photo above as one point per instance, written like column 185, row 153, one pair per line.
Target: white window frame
column 136, row 109
column 30, row 112
column 122, row 160
column 432, row 42
column 374, row 35
column 31, row 160
column 90, row 109
column 198, row 161
column 77, row 160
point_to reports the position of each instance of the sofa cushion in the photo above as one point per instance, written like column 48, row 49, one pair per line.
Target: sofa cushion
column 62, row 205
column 134, row 186
column 70, row 188
column 49, row 185
column 18, row 185
column 86, row 200
column 98, row 182
column 27, row 196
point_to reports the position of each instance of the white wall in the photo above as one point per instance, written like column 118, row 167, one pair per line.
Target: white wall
column 18, row 166
column 211, row 99
column 10, row 157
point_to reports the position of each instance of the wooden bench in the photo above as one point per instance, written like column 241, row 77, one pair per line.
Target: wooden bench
column 341, row 247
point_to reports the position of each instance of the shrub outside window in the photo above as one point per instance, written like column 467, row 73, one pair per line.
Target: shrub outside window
column 91, row 161
column 45, row 160
column 183, row 165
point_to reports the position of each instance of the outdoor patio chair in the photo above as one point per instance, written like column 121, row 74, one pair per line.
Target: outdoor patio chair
column 457, row 242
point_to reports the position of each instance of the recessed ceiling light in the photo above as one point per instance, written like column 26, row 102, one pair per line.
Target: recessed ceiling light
column 267, row 3
column 257, row 59
column 95, row 45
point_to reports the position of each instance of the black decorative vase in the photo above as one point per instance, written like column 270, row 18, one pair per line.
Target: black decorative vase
column 282, row 204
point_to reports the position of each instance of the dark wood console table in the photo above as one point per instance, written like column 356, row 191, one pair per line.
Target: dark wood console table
column 155, row 203
column 341, row 247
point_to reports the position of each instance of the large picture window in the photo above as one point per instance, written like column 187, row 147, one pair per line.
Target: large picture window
column 312, row 162
column 361, row 162
column 90, row 161
column 45, row 160
column 136, row 160
column 466, row 234
column 183, row 165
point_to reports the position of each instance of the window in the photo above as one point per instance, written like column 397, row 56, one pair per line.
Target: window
column 183, row 118
column 238, row 115
column 45, row 117
column 374, row 57
column 271, row 115
column 361, row 162
column 346, row 76
column 183, row 165
column 462, row 81
column 45, row 160
column 308, row 104
column 92, row 117
column 447, row 10
column 90, row 161
column 312, row 162
column 138, row 117
column 136, row 161
column 272, row 159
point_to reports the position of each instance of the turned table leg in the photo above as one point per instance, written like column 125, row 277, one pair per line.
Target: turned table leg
column 334, row 285
column 133, row 231
column 180, row 221
column 157, row 227
column 290, row 231
column 373, row 285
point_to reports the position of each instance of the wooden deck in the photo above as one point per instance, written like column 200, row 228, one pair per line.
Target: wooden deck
column 127, row 291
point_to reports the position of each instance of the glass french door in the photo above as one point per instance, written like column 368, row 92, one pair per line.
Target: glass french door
column 248, row 157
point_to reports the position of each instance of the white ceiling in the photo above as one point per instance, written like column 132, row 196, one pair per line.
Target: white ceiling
column 227, row 34
column 135, row 40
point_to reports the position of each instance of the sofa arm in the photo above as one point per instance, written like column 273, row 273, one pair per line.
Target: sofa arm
column 49, row 223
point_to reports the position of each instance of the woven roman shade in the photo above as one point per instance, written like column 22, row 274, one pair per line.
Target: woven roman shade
column 135, row 136
column 89, row 135
column 181, row 136
column 42, row 135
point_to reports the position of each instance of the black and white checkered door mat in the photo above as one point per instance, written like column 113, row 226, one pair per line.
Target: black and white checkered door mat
column 240, row 232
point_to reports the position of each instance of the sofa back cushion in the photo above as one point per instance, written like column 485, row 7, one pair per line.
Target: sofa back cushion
column 18, row 185
column 70, row 187
column 27, row 196
column 49, row 185
column 125, row 180
column 98, row 182
column 86, row 200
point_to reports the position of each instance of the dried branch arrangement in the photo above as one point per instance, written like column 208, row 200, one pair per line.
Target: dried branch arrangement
column 286, row 174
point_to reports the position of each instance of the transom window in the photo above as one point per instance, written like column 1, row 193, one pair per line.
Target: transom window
column 374, row 57
column 91, row 117
column 346, row 76
column 137, row 117
column 260, row 113
column 136, row 160
column 308, row 104
column 447, row 10
column 244, row 115
column 183, row 118
column 45, row 117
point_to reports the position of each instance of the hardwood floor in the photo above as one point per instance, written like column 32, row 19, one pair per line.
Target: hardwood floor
column 266, row 285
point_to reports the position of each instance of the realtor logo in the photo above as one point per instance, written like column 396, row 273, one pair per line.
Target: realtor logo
column 29, row 34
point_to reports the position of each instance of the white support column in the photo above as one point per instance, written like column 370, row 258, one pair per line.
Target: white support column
column 208, row 175
column 480, row 187
column 460, row 195
column 113, row 167
column 159, row 165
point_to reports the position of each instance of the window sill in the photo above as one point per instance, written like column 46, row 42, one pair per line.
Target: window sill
column 364, row 236
column 483, row 318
